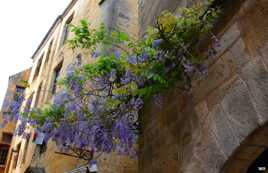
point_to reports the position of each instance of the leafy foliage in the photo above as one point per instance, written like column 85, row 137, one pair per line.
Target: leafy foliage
column 98, row 109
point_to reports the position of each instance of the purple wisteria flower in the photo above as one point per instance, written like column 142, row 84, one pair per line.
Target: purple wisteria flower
column 47, row 129
column 95, row 106
column 126, row 137
column 21, row 127
column 72, row 107
column 157, row 43
column 132, row 60
column 188, row 68
column 70, row 70
column 144, row 57
column 15, row 107
column 61, row 98
column 117, row 54
column 75, row 84
column 95, row 54
column 128, row 77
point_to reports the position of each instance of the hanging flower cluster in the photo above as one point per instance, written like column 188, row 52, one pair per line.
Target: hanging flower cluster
column 99, row 106
column 13, row 108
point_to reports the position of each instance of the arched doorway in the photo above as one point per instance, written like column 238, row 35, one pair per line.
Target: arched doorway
column 252, row 155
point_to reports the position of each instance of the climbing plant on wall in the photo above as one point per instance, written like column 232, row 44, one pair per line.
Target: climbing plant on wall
column 98, row 109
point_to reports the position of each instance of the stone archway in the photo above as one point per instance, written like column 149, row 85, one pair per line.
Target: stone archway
column 252, row 155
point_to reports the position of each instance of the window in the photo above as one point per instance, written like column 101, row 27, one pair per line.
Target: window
column 20, row 89
column 39, row 90
column 56, row 76
column 49, row 51
column 37, row 70
column 66, row 32
column 7, row 137
column 3, row 154
column 19, row 95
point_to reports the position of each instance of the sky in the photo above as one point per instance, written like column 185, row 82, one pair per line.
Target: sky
column 23, row 25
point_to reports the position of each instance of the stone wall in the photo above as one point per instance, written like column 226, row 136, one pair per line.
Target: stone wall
column 198, row 132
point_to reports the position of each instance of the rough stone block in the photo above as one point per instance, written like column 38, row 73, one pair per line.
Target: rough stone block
column 216, row 96
column 240, row 54
column 217, row 74
column 224, row 133
column 228, row 38
column 208, row 153
column 239, row 110
column 253, row 25
column 256, row 77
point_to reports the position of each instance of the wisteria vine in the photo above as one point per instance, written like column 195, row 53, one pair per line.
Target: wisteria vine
column 99, row 108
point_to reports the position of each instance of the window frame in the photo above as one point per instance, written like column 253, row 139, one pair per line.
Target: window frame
column 66, row 31
column 56, row 74
column 38, row 67
column 19, row 91
column 38, row 94
column 49, row 50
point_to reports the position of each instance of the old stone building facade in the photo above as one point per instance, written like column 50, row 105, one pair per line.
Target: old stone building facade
column 49, row 64
column 50, row 61
column 16, row 87
column 218, row 127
